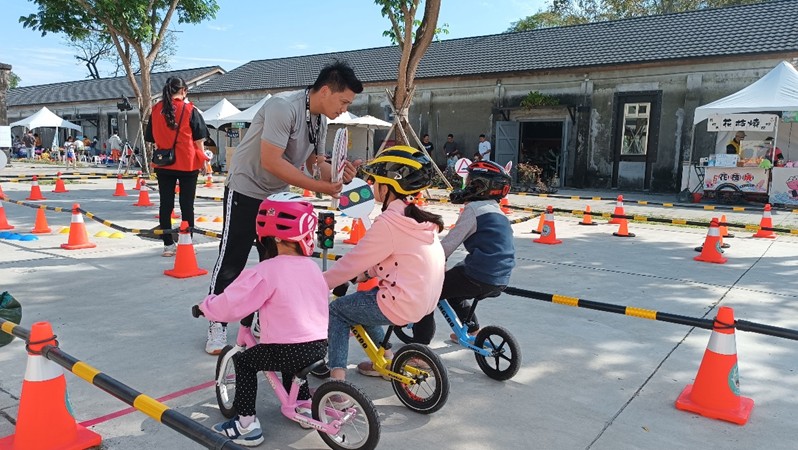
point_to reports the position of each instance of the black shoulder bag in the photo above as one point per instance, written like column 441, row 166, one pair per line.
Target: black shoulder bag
column 166, row 157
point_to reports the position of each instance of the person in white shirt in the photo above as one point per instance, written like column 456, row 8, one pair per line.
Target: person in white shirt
column 484, row 148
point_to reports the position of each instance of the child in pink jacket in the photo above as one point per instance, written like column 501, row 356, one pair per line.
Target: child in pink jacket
column 290, row 295
column 401, row 250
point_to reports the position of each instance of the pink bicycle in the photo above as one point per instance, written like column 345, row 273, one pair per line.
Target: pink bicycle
column 343, row 415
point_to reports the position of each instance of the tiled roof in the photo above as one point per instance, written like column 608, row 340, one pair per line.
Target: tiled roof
column 760, row 28
column 94, row 90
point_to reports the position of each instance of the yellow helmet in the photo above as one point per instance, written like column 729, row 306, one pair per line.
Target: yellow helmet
column 405, row 168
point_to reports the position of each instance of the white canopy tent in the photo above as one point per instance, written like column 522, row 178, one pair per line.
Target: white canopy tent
column 248, row 114
column 45, row 118
column 216, row 115
column 361, row 132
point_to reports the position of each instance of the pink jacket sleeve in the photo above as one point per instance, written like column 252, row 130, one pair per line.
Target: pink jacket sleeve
column 372, row 249
column 244, row 296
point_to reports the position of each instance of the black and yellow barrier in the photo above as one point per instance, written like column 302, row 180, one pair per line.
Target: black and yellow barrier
column 642, row 313
column 144, row 403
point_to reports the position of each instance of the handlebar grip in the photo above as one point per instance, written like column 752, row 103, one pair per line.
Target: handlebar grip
column 340, row 290
column 196, row 311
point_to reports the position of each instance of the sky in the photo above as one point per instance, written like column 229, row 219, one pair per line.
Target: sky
column 247, row 30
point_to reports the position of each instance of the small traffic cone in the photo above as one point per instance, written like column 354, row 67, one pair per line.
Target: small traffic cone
column 35, row 190
column 307, row 193
column 357, row 232
column 78, row 236
column 419, row 200
column 2, row 194
column 368, row 285
column 144, row 195
column 724, row 230
column 40, row 227
column 59, row 184
column 618, row 211
column 766, row 222
column 44, row 419
column 175, row 215
column 504, row 205
column 623, row 229
column 716, row 390
column 177, row 186
column 120, row 187
column 137, row 187
column 208, row 180
column 185, row 259
column 3, row 220
column 710, row 251
column 587, row 217
column 541, row 222
column 548, row 235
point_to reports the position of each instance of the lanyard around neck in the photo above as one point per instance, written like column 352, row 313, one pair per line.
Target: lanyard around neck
column 313, row 135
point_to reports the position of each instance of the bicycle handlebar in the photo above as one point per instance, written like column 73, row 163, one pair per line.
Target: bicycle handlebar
column 196, row 311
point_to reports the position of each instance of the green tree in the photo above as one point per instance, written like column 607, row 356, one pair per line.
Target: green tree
column 13, row 80
column 137, row 29
column 571, row 12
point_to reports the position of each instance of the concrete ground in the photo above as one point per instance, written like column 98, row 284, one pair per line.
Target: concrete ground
column 589, row 379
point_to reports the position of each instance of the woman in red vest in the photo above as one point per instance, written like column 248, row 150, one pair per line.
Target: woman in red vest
column 174, row 117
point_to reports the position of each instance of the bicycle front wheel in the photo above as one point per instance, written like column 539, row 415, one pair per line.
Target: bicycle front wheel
column 341, row 400
column 506, row 354
column 430, row 389
column 226, row 382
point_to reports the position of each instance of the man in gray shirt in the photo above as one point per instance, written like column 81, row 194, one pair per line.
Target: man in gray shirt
column 289, row 131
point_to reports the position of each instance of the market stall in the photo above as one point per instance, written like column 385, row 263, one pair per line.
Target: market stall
column 754, row 154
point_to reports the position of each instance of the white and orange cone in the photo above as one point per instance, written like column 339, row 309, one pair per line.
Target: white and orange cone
column 4, row 225
column 618, row 211
column 78, row 236
column 120, row 187
column 59, row 184
column 548, row 235
column 710, row 251
column 185, row 259
column 35, row 190
column 766, row 222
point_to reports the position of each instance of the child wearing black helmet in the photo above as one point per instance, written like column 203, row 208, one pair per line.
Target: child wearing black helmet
column 487, row 236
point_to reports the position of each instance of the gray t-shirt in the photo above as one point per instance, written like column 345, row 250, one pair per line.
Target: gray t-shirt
column 281, row 122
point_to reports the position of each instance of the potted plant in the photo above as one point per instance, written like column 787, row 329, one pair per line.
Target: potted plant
column 528, row 176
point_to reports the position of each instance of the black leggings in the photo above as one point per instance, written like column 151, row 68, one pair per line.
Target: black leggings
column 286, row 358
column 167, row 180
column 458, row 289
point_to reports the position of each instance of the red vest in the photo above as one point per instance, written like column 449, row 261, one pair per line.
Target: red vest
column 187, row 157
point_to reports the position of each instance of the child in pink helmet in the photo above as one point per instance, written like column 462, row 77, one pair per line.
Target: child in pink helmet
column 290, row 295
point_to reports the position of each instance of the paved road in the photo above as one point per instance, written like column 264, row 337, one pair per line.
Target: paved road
column 589, row 379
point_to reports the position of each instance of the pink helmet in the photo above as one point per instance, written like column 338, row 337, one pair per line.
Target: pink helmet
column 288, row 217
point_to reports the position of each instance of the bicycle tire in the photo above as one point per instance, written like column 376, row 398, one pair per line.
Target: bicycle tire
column 406, row 335
column 508, row 351
column 411, row 395
column 361, row 432
column 225, row 394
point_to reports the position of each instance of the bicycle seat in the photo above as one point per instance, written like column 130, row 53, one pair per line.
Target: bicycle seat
column 304, row 372
column 494, row 293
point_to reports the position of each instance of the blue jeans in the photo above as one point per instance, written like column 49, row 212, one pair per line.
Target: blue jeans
column 359, row 308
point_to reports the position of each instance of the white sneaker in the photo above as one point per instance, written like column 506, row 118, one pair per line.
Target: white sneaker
column 169, row 250
column 217, row 338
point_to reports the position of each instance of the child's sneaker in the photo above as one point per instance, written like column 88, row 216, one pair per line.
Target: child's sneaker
column 367, row 368
column 248, row 437
column 169, row 250
column 217, row 338
column 307, row 413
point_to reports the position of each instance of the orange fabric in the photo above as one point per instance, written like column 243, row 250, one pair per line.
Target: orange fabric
column 187, row 156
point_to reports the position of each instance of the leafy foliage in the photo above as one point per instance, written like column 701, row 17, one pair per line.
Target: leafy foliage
column 13, row 80
column 573, row 12
column 528, row 174
column 535, row 98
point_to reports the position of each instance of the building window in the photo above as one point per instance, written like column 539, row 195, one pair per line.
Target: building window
column 634, row 141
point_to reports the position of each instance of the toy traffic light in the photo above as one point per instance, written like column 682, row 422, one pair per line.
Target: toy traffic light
column 326, row 231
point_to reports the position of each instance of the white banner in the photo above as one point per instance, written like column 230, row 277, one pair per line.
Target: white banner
column 5, row 137
column 746, row 179
column 742, row 122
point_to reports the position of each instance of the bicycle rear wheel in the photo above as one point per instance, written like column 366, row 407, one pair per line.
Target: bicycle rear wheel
column 226, row 389
column 506, row 359
column 341, row 400
column 431, row 388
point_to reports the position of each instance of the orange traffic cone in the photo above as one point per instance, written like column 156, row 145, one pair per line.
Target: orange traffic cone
column 541, row 222
column 175, row 215
column 357, row 232
column 368, row 285
column 724, row 230
column 137, row 187
column 120, row 187
column 44, row 419
column 623, row 229
column 504, row 204
column 35, row 190
column 78, row 237
column 420, row 200
column 41, row 223
column 144, row 195
column 766, row 222
column 2, row 194
column 208, row 180
column 618, row 211
column 716, row 390
column 548, row 235
column 587, row 218
column 185, row 259
column 59, row 184
column 307, row 193
column 177, row 187
column 3, row 221
column 710, row 251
